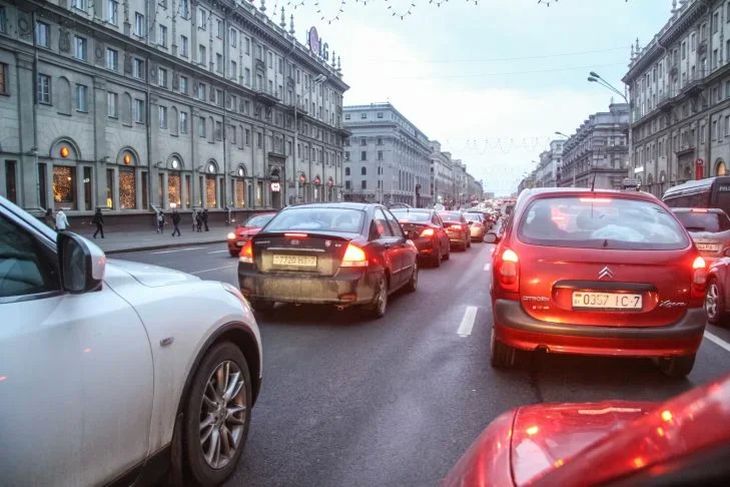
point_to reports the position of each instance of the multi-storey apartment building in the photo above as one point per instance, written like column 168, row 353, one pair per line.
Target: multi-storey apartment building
column 546, row 173
column 442, row 175
column 387, row 158
column 129, row 104
column 680, row 94
column 597, row 153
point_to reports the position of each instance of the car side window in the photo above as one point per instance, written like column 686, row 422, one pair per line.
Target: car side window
column 394, row 225
column 436, row 220
column 380, row 225
column 25, row 266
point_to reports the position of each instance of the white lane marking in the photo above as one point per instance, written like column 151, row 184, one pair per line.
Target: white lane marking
column 218, row 251
column 213, row 269
column 176, row 250
column 487, row 266
column 718, row 341
column 467, row 322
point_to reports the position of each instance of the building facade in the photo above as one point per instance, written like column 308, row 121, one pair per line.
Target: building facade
column 598, row 152
column 679, row 86
column 442, row 177
column 134, row 104
column 387, row 158
column 546, row 173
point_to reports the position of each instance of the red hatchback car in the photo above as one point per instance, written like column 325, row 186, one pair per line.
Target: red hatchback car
column 426, row 230
column 243, row 233
column 684, row 441
column 597, row 273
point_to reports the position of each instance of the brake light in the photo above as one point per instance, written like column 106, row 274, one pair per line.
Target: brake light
column 595, row 200
column 246, row 255
column 508, row 271
column 699, row 210
column 428, row 232
column 699, row 277
column 354, row 257
column 296, row 235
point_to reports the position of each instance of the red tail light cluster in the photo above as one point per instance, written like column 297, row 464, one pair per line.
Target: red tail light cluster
column 246, row 255
column 354, row 257
column 699, row 277
column 428, row 232
column 507, row 270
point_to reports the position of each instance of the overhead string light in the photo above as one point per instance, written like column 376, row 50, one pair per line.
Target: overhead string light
column 329, row 17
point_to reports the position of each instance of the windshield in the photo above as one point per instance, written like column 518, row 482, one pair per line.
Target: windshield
column 588, row 222
column 259, row 220
column 318, row 219
column 473, row 217
column 451, row 216
column 411, row 216
column 695, row 221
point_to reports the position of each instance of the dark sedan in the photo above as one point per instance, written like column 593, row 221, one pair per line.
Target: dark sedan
column 427, row 231
column 709, row 228
column 341, row 254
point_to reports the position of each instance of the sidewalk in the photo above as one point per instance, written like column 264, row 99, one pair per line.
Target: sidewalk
column 125, row 240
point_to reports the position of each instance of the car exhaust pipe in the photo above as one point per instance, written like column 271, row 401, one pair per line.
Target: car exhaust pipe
column 340, row 307
column 542, row 348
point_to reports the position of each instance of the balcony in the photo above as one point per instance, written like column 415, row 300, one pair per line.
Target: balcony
column 695, row 84
column 265, row 97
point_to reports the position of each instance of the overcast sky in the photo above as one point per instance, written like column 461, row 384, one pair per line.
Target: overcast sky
column 492, row 81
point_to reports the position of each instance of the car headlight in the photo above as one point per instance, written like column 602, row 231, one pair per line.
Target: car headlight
column 231, row 236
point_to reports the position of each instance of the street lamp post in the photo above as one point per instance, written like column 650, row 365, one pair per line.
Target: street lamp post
column 596, row 78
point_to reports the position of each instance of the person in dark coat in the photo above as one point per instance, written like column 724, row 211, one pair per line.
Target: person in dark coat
column 199, row 220
column 98, row 220
column 205, row 219
column 160, row 221
column 175, row 222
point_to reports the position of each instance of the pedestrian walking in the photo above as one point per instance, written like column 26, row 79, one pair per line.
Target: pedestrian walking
column 48, row 218
column 61, row 221
column 194, row 216
column 199, row 220
column 98, row 220
column 160, row 221
column 176, row 222
column 205, row 219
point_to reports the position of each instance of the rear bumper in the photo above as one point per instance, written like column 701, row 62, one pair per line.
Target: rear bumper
column 424, row 246
column 351, row 286
column 514, row 327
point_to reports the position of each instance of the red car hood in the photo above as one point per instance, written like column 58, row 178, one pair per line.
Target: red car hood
column 248, row 231
column 589, row 444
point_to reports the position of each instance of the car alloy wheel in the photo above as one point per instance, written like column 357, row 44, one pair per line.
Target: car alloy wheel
column 380, row 301
column 711, row 301
column 222, row 414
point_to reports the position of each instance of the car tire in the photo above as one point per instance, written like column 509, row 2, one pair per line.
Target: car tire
column 467, row 244
column 205, row 393
column 715, row 302
column 412, row 283
column 436, row 259
column 676, row 367
column 233, row 254
column 262, row 306
column 377, row 308
column 502, row 355
column 447, row 255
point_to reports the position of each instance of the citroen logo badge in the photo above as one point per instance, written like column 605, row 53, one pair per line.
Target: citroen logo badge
column 605, row 273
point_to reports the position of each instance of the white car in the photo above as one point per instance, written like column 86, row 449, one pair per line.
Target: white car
column 112, row 371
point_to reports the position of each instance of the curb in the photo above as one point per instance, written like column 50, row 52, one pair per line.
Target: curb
column 161, row 246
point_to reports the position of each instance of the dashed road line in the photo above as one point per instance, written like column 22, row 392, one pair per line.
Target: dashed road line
column 717, row 341
column 218, row 251
column 185, row 249
column 467, row 322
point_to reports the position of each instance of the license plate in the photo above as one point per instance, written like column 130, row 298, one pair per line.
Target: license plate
column 593, row 300
column 240, row 244
column 295, row 260
column 708, row 247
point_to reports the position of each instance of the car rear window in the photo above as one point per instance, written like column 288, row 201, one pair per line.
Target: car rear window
column 704, row 221
column 600, row 222
column 452, row 216
column 473, row 217
column 318, row 219
column 411, row 216
column 259, row 221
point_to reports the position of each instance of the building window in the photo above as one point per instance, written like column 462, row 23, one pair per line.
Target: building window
column 183, row 46
column 184, row 8
column 138, row 68
column 112, row 11
column 219, row 97
column 715, row 22
column 219, row 63
column 234, row 37
column 112, row 59
column 80, row 48
column 248, row 45
column 363, row 115
column 234, row 69
column 162, row 77
column 347, row 171
column 259, row 140
column 363, row 141
column 201, row 54
column 79, row 4
column 3, row 79
column 163, row 117
column 248, row 137
column 184, row 84
column 112, row 105
column 138, row 111
column 247, row 77
column 42, row 34
column 162, row 36
column 82, row 92
column 3, row 20
column 380, row 155
column 183, row 122
column 218, row 130
column 44, row 89
column 363, row 184
column 380, row 114
column 64, row 187
column 201, row 91
column 380, row 141
column 347, row 116
column 347, row 184
column 363, row 156
column 363, row 171
column 139, row 25
column 347, row 155
column 202, row 19
column 201, row 126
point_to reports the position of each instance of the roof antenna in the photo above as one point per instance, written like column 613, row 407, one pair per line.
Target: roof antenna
column 593, row 184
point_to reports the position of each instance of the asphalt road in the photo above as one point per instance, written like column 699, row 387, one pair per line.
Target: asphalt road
column 395, row 402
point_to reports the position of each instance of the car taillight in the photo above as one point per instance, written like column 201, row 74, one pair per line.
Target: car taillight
column 246, row 255
column 699, row 277
column 354, row 257
column 508, row 271
column 428, row 232
column 231, row 236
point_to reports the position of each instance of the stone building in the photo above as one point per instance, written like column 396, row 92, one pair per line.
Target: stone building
column 387, row 158
column 442, row 175
column 598, row 151
column 546, row 173
column 130, row 104
column 679, row 85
